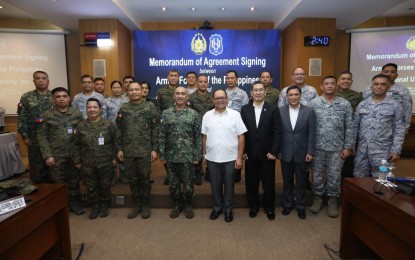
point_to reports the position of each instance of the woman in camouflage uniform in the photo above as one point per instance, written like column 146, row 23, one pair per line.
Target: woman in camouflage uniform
column 95, row 155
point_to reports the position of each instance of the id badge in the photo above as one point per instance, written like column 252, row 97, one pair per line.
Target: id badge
column 70, row 130
column 229, row 103
column 101, row 140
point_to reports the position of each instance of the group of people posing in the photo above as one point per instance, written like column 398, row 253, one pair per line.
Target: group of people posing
column 191, row 130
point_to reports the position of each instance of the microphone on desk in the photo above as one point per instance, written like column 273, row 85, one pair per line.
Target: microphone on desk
column 401, row 180
column 405, row 185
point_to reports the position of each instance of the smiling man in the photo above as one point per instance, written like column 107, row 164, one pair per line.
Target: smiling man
column 223, row 145
column 379, row 128
column 334, row 142
column 55, row 136
column 137, row 129
column 308, row 93
column 31, row 105
column 297, row 149
column 180, row 151
column 262, row 146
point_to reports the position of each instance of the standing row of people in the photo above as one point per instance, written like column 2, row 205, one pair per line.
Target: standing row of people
column 305, row 129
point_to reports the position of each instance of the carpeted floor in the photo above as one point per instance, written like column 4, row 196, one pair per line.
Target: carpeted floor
column 287, row 237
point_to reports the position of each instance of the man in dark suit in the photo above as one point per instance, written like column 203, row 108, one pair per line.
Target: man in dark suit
column 297, row 149
column 262, row 146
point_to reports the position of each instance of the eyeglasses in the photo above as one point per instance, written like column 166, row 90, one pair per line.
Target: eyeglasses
column 299, row 75
column 220, row 98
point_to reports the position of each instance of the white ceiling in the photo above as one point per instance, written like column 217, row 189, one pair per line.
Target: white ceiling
column 66, row 13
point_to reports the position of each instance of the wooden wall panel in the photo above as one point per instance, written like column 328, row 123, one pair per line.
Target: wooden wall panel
column 342, row 52
column 308, row 27
column 119, row 52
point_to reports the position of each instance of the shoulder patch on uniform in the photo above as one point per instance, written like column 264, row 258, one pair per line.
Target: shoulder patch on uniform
column 39, row 119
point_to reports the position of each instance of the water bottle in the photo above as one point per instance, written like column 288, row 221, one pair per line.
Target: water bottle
column 383, row 170
column 390, row 176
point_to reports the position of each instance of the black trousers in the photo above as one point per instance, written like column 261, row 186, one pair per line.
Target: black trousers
column 289, row 169
column 263, row 171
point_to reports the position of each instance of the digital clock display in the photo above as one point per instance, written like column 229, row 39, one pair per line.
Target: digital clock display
column 316, row 41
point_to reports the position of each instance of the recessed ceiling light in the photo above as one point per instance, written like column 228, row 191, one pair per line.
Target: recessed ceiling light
column 1, row 7
column 223, row 9
column 193, row 9
column 164, row 8
column 252, row 8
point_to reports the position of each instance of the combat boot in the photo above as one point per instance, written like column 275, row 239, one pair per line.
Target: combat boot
column 75, row 205
column 175, row 212
column 145, row 209
column 134, row 212
column 332, row 208
column 188, row 211
column 136, row 208
column 104, row 210
column 317, row 204
column 95, row 211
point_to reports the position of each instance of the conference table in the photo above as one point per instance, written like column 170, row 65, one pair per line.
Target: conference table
column 10, row 159
column 41, row 229
column 376, row 225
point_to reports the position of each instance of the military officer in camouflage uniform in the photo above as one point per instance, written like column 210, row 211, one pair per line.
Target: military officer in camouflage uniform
column 79, row 101
column 334, row 142
column 271, row 94
column 201, row 101
column 308, row 93
column 344, row 83
column 137, row 129
column 379, row 128
column 236, row 96
column 164, row 97
column 31, row 105
column 398, row 92
column 95, row 154
column 180, row 149
column 55, row 136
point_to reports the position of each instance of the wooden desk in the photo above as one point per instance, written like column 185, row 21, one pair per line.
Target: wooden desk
column 41, row 229
column 376, row 225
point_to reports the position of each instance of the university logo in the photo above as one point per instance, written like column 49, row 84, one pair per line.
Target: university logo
column 198, row 44
column 410, row 44
column 2, row 45
column 215, row 44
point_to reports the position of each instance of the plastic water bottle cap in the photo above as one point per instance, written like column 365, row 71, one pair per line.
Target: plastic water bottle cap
column 383, row 168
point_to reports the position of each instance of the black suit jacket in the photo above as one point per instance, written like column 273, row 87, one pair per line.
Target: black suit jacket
column 300, row 141
column 266, row 138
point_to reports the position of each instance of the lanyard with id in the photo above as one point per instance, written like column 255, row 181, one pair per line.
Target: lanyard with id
column 70, row 129
column 101, row 140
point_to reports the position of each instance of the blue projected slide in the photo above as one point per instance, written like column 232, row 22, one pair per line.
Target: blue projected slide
column 210, row 52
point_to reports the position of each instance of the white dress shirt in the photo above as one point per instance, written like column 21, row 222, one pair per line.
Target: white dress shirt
column 258, row 110
column 222, row 130
column 293, row 115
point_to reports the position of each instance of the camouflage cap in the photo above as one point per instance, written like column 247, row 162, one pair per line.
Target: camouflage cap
column 19, row 186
